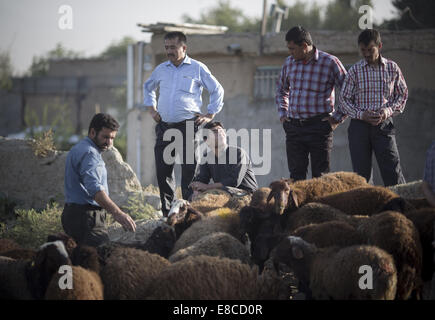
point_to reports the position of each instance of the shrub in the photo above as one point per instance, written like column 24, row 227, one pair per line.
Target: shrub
column 138, row 209
column 31, row 228
column 43, row 144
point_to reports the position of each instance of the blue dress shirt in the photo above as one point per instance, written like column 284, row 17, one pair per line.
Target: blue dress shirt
column 85, row 173
column 180, row 90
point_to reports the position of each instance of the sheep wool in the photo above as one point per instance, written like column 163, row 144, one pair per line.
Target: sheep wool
column 219, row 220
column 213, row 278
column 86, row 285
column 128, row 273
column 397, row 235
column 211, row 200
column 8, row 245
column 218, row 244
column 360, row 201
column 13, row 279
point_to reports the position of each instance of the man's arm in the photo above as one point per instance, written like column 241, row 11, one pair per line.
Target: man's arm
column 201, row 179
column 338, row 116
column 397, row 101
column 282, row 93
column 216, row 92
column 91, row 173
column 106, row 203
column 149, row 96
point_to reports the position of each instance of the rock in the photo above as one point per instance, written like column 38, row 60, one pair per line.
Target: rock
column 144, row 229
column 153, row 200
column 32, row 181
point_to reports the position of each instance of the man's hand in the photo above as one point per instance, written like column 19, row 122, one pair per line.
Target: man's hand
column 155, row 115
column 334, row 123
column 283, row 119
column 203, row 118
column 125, row 220
column 371, row 117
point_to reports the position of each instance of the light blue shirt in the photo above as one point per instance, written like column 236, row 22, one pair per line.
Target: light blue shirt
column 85, row 173
column 180, row 90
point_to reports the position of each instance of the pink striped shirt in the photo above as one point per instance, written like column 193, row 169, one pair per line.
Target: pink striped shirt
column 368, row 87
column 305, row 90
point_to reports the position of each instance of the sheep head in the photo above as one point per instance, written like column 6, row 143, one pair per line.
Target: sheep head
column 282, row 193
column 49, row 258
column 182, row 215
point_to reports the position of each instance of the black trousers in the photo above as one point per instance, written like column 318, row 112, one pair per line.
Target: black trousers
column 364, row 139
column 165, row 168
column 85, row 224
column 304, row 138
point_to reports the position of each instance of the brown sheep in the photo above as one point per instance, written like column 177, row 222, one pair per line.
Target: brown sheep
column 289, row 196
column 8, row 245
column 212, row 278
column 394, row 233
column 333, row 272
column 424, row 220
column 360, row 201
column 87, row 285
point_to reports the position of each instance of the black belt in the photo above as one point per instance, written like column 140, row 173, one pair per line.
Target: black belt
column 83, row 206
column 305, row 121
column 176, row 124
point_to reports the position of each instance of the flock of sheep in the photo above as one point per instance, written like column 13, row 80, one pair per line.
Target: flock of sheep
column 322, row 232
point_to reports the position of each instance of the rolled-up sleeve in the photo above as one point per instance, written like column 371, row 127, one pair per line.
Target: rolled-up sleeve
column 282, row 92
column 397, row 101
column 92, row 172
column 214, row 88
column 149, row 90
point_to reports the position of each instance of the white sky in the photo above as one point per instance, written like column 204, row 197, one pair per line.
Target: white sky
column 30, row 27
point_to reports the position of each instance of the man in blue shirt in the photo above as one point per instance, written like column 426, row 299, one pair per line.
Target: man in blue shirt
column 180, row 80
column 86, row 189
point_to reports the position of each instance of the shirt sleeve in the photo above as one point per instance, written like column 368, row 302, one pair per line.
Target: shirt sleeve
column 339, row 72
column 282, row 92
column 429, row 168
column 347, row 96
column 91, row 173
column 396, row 103
column 149, row 90
column 214, row 88
column 236, row 172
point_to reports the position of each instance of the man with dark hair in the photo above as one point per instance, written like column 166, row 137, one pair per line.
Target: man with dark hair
column 227, row 166
column 374, row 91
column 86, row 190
column 181, row 81
column 305, row 101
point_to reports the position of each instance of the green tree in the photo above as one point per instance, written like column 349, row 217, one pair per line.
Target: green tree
column 6, row 71
column 41, row 64
column 343, row 14
column 301, row 14
column 413, row 14
column 117, row 48
column 226, row 15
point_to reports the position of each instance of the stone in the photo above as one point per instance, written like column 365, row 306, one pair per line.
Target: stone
column 33, row 181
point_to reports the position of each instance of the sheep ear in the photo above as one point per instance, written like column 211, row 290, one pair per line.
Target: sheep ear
column 270, row 197
column 294, row 198
column 297, row 252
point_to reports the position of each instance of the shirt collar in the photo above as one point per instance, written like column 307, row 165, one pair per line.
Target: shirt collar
column 382, row 59
column 92, row 143
column 315, row 57
column 187, row 60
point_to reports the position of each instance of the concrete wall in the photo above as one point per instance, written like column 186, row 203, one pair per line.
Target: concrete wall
column 413, row 51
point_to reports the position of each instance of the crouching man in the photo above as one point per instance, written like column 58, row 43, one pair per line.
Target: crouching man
column 86, row 190
column 227, row 166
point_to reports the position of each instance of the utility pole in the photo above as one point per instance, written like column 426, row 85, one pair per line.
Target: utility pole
column 263, row 27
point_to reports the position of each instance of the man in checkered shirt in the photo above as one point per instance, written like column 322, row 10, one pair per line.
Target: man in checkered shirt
column 429, row 175
column 374, row 91
column 305, row 100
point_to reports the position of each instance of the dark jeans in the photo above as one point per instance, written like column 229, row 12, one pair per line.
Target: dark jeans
column 311, row 137
column 364, row 139
column 165, row 170
column 85, row 224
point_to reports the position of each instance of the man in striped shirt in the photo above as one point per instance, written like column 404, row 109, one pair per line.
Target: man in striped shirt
column 305, row 100
column 374, row 91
